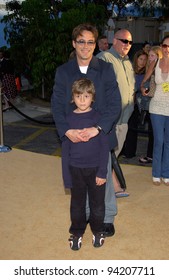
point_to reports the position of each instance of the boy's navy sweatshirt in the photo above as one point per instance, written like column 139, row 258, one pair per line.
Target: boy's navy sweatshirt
column 93, row 153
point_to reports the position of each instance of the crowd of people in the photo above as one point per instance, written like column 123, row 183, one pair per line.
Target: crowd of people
column 99, row 96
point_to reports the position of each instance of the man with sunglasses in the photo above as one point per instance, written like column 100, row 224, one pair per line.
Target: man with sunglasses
column 118, row 56
column 107, row 103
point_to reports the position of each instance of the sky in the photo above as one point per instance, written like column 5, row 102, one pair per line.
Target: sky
column 4, row 1
column 2, row 40
column 2, row 13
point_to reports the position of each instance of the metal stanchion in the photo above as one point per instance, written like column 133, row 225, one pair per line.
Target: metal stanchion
column 3, row 148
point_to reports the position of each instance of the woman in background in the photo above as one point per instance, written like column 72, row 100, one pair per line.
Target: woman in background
column 139, row 66
column 159, row 113
column 155, row 53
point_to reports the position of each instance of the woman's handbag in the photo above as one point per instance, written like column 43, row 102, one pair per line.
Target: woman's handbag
column 152, row 86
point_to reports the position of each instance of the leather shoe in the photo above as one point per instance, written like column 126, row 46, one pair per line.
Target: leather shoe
column 109, row 229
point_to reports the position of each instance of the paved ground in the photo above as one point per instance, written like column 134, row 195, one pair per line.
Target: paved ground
column 37, row 132
column 31, row 128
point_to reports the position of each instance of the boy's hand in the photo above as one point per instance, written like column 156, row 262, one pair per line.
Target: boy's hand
column 100, row 181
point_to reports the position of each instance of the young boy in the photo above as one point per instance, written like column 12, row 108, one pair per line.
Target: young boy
column 84, row 167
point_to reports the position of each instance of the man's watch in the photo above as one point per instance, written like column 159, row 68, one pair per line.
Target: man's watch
column 98, row 128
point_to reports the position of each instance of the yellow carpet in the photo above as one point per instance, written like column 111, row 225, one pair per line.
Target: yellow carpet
column 34, row 214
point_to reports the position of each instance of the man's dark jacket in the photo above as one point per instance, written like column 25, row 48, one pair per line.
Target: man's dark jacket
column 107, row 100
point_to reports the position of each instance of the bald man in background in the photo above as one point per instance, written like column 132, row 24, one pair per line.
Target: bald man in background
column 118, row 56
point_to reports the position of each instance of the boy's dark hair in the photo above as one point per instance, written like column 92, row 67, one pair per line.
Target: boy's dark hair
column 83, row 85
column 77, row 31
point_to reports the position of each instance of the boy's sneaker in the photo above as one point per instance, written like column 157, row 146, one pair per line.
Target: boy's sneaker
column 98, row 240
column 75, row 242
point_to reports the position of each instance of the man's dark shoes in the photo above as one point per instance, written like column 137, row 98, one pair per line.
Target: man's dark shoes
column 109, row 230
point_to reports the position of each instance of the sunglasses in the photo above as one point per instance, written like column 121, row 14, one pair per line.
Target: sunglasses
column 125, row 41
column 165, row 46
column 83, row 43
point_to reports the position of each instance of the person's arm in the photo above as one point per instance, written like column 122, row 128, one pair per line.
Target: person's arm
column 111, row 110
column 67, row 180
column 104, row 151
column 147, row 77
column 108, row 102
column 60, row 103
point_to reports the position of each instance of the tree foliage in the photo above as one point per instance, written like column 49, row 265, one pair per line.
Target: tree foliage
column 39, row 33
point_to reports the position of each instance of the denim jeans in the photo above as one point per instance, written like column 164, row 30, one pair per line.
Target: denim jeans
column 160, row 166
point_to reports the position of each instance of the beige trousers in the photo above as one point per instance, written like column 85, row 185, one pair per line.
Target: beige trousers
column 121, row 132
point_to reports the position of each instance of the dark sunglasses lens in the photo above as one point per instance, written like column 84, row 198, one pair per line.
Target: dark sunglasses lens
column 125, row 41
column 165, row 46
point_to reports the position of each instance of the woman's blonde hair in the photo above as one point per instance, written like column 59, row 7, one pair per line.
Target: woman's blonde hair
column 157, row 50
